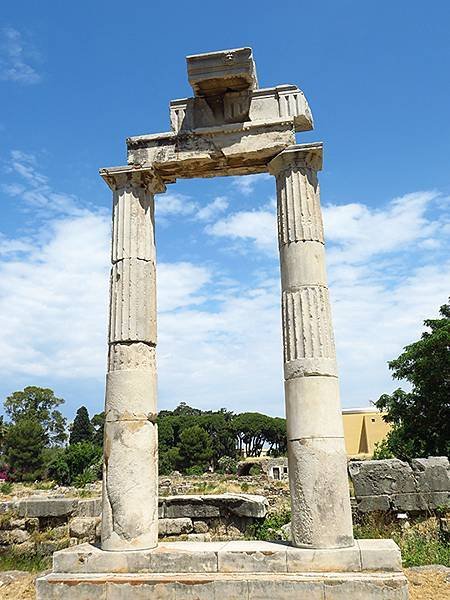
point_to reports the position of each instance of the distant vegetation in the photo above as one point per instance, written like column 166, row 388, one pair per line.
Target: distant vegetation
column 420, row 418
column 35, row 442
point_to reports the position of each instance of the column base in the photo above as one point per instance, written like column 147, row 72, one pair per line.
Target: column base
column 241, row 570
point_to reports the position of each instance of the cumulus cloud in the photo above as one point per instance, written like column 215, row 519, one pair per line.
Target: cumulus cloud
column 257, row 226
column 246, row 184
column 179, row 205
column 16, row 58
column 213, row 209
column 219, row 334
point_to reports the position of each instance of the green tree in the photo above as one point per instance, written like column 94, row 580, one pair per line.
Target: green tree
column 82, row 429
column 39, row 404
column 252, row 432
column 98, row 423
column 24, row 444
column 420, row 418
column 75, row 460
column 276, row 436
column 219, row 426
column 3, row 432
column 195, row 447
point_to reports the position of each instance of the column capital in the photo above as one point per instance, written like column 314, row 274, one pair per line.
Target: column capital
column 300, row 155
column 122, row 177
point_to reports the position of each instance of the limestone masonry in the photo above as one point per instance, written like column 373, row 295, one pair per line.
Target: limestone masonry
column 229, row 127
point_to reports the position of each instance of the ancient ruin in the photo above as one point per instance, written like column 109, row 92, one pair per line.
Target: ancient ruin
column 229, row 127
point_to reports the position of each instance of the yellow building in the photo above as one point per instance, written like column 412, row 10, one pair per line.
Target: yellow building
column 363, row 428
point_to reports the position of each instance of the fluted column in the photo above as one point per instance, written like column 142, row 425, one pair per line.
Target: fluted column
column 130, row 469
column 321, row 514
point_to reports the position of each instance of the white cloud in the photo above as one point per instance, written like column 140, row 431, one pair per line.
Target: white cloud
column 258, row 226
column 213, row 209
column 359, row 232
column 16, row 58
column 179, row 285
column 172, row 205
column 219, row 339
column 246, row 184
column 178, row 205
column 35, row 191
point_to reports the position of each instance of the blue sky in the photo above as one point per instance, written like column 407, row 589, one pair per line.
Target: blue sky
column 77, row 78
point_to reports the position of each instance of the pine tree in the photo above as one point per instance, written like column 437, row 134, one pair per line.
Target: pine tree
column 82, row 429
column 24, row 443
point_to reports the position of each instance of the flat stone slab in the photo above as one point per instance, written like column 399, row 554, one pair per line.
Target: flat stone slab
column 231, row 557
column 251, row 586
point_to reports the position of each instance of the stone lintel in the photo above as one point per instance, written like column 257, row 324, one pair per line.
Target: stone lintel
column 120, row 177
column 230, row 149
column 302, row 155
column 259, row 106
column 213, row 73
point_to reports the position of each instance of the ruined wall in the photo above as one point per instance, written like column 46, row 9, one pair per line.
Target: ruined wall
column 393, row 485
column 44, row 525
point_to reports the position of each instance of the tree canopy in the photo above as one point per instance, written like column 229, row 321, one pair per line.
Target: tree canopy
column 39, row 404
column 24, row 444
column 420, row 418
column 82, row 429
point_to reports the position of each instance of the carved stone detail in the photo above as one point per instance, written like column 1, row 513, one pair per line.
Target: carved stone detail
column 136, row 355
column 307, row 329
column 133, row 224
column 299, row 214
column 133, row 301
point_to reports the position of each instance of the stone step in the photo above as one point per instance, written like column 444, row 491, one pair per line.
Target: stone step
column 230, row 557
column 217, row 586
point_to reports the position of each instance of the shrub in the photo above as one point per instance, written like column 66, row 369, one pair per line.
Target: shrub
column 6, row 487
column 266, row 529
column 227, row 464
column 196, row 470
column 255, row 471
column 73, row 463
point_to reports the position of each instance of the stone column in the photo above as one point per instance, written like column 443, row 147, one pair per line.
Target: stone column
column 130, row 469
column 321, row 514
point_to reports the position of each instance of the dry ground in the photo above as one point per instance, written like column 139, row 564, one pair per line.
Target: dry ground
column 423, row 585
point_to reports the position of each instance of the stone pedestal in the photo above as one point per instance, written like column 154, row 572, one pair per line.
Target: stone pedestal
column 130, row 472
column 321, row 514
column 371, row 569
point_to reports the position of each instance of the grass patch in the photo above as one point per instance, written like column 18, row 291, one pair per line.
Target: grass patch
column 6, row 488
column 421, row 542
column 14, row 561
column 266, row 530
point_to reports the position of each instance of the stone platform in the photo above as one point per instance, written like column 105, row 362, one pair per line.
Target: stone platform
column 244, row 570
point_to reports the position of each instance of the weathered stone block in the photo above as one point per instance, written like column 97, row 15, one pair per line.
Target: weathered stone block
column 284, row 589
column 213, row 73
column 175, row 526
column 83, row 527
column 333, row 560
column 164, row 559
column 252, row 557
column 189, row 506
column 373, row 503
column 47, row 507
column 379, row 555
column 201, row 527
column 372, row 587
column 91, row 507
column 18, row 536
column 432, row 474
column 380, row 477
